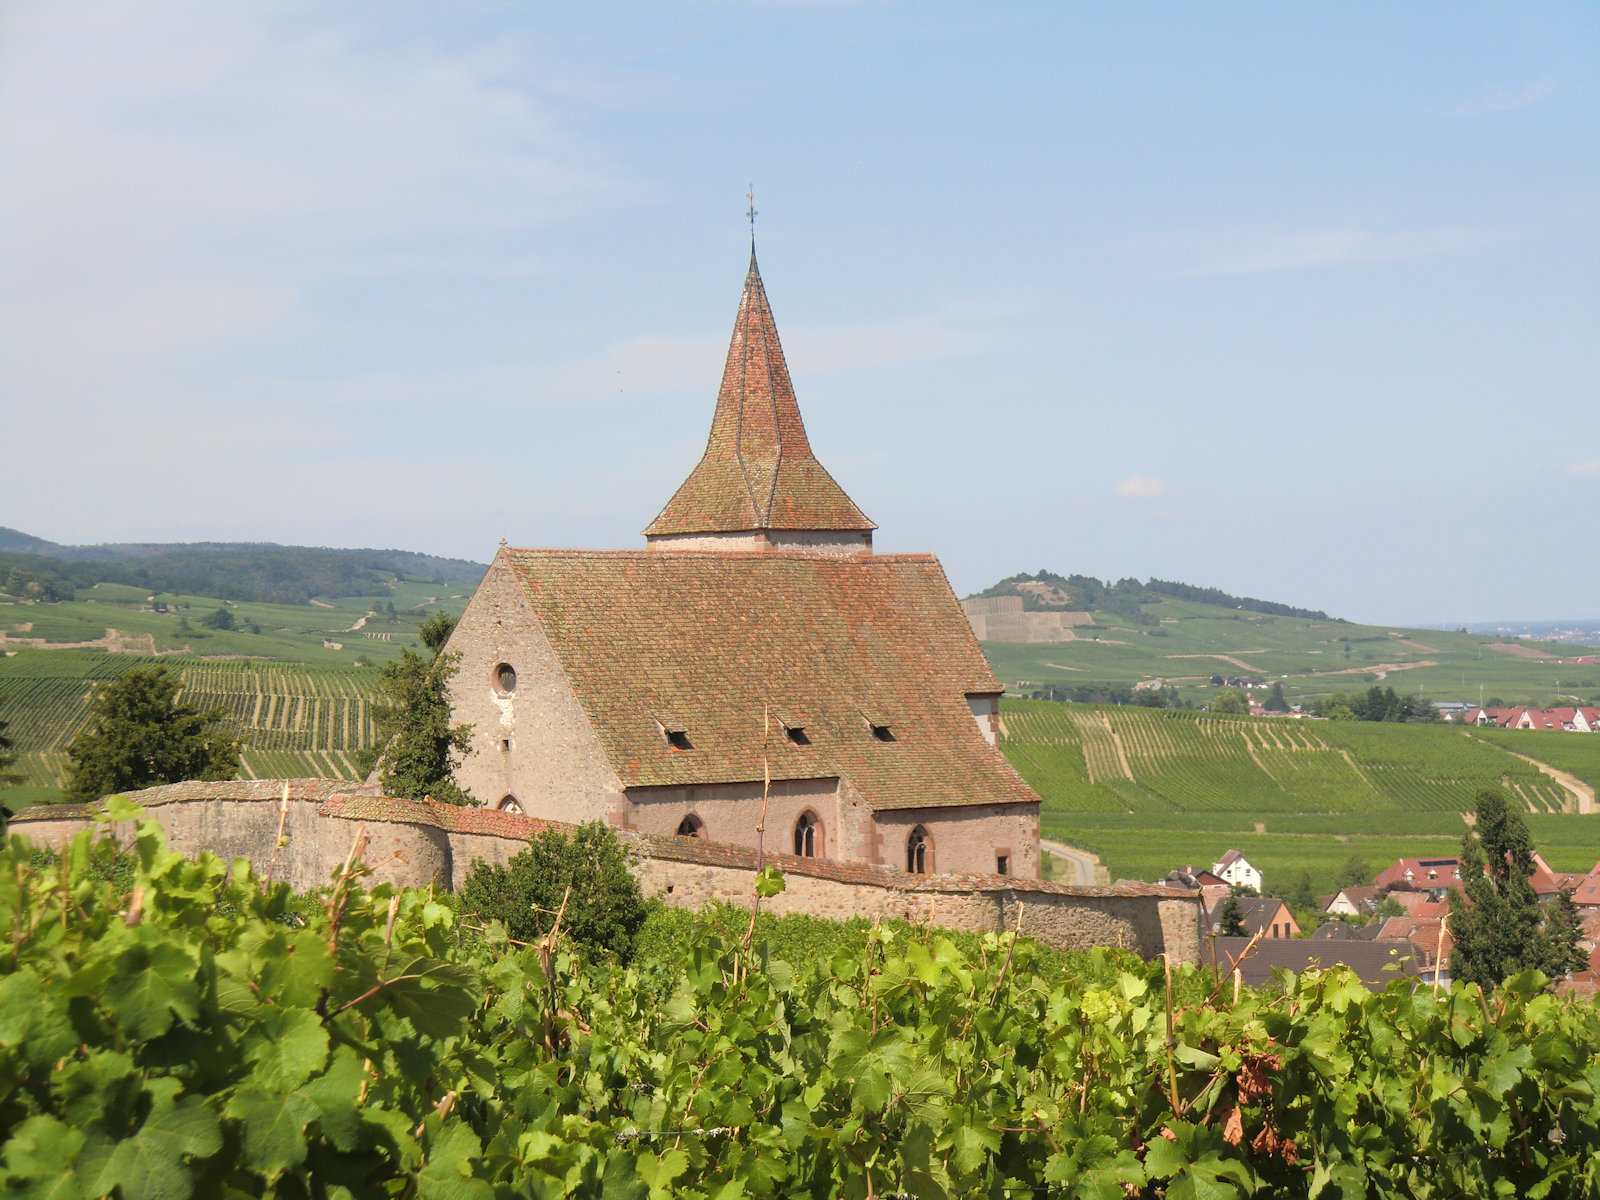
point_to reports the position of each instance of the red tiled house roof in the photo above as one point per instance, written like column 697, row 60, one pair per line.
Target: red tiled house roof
column 758, row 471
column 697, row 643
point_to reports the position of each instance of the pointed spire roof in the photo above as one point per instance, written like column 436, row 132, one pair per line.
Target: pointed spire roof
column 758, row 471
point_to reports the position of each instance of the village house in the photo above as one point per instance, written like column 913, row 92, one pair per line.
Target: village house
column 1265, row 915
column 1353, row 901
column 1234, row 869
column 1570, row 720
column 753, row 675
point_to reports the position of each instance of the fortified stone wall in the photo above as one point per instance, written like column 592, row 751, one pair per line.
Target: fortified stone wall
column 418, row 843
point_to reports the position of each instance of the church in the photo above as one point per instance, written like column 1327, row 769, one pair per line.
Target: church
column 754, row 674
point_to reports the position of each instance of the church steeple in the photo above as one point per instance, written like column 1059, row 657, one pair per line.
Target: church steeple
column 758, row 476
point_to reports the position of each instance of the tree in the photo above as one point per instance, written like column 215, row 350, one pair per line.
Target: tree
column 1563, row 929
column 436, row 630
column 416, row 748
column 7, row 757
column 1389, row 907
column 604, row 907
column 1275, row 701
column 1354, row 873
column 1230, row 921
column 139, row 735
column 1230, row 700
column 1498, row 925
column 221, row 619
column 1301, row 894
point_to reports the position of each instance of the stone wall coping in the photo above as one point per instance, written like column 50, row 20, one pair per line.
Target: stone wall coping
column 341, row 799
column 241, row 791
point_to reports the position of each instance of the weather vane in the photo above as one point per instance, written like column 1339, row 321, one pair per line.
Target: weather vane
column 751, row 211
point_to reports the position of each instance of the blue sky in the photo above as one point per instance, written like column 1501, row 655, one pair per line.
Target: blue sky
column 1299, row 301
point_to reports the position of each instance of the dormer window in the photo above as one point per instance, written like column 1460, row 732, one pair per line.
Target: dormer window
column 675, row 732
column 881, row 721
column 796, row 735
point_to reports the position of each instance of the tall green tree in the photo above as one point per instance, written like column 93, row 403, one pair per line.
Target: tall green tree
column 604, row 907
column 1354, row 873
column 417, row 748
column 1563, row 930
column 1275, row 701
column 140, row 735
column 1302, row 900
column 8, row 778
column 1230, row 921
column 1498, row 925
column 436, row 630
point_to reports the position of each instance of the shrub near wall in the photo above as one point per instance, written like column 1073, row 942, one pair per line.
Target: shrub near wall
column 187, row 1031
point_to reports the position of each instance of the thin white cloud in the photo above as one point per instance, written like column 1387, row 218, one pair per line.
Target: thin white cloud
column 632, row 370
column 951, row 331
column 183, row 174
column 1142, row 487
column 1585, row 470
column 1326, row 248
column 1503, row 100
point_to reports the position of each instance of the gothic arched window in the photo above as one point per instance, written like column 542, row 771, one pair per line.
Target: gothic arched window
column 807, row 835
column 918, row 851
column 691, row 826
column 509, row 804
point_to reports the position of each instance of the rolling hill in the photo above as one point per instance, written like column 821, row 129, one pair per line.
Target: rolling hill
column 1090, row 635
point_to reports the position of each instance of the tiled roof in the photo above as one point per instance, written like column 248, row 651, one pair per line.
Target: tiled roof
column 1444, row 873
column 1587, row 891
column 758, row 471
column 1366, row 958
column 832, row 643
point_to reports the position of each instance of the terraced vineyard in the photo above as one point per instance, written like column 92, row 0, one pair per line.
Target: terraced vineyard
column 1085, row 758
column 1151, row 789
column 294, row 719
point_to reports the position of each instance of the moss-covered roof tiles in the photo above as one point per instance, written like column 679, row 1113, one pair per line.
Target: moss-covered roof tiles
column 758, row 471
column 656, row 642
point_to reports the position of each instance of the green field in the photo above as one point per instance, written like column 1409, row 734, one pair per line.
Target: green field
column 1184, row 643
column 1152, row 789
column 297, row 692
column 295, row 719
column 332, row 630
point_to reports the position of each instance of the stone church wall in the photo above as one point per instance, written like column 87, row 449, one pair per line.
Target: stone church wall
column 966, row 839
column 534, row 743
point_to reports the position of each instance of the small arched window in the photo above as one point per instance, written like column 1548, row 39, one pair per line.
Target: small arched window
column 509, row 804
column 691, row 826
column 807, row 835
column 917, row 851
column 505, row 678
